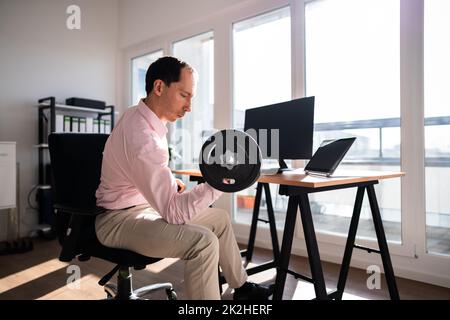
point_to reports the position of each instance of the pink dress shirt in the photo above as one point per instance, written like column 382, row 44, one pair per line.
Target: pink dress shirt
column 135, row 170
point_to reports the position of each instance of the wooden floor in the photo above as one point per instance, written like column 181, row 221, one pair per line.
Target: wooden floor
column 39, row 274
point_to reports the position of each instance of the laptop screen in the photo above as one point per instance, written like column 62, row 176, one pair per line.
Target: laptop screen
column 330, row 153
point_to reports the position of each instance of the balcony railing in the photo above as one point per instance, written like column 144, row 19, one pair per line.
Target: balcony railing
column 380, row 124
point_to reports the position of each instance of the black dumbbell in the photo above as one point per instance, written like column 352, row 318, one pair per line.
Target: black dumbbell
column 230, row 160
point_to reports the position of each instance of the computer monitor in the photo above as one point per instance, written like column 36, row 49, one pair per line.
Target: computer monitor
column 295, row 121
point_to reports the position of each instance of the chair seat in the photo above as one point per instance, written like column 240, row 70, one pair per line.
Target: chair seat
column 90, row 246
column 121, row 257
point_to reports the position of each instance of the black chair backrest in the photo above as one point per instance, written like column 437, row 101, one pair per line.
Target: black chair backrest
column 76, row 162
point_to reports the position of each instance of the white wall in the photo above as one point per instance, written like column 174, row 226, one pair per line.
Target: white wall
column 141, row 20
column 40, row 57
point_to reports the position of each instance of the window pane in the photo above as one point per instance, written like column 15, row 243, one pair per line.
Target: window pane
column 139, row 68
column 353, row 70
column 261, row 62
column 437, row 125
column 187, row 134
column 261, row 76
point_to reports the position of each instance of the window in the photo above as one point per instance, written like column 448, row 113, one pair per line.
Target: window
column 351, row 52
column 187, row 134
column 139, row 68
column 437, row 125
column 261, row 47
column 353, row 70
column 261, row 76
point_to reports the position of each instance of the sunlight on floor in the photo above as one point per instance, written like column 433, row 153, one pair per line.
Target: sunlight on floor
column 85, row 288
column 264, row 277
column 19, row 278
column 305, row 291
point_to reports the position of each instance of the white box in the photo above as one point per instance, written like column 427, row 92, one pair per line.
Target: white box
column 75, row 124
column 66, row 124
column 8, row 175
column 59, row 123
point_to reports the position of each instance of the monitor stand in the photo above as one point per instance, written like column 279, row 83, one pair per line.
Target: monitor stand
column 283, row 166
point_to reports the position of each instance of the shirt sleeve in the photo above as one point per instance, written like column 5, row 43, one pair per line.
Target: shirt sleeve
column 154, row 179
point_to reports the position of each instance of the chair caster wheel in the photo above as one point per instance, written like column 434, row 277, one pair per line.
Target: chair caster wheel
column 110, row 290
column 171, row 294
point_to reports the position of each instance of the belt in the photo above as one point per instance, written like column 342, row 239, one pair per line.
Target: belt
column 127, row 208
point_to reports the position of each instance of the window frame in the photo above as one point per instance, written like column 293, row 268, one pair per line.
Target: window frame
column 131, row 72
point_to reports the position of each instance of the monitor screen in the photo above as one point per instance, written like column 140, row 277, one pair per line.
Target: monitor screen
column 295, row 123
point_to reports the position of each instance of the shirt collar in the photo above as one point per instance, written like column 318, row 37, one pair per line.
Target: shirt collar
column 155, row 122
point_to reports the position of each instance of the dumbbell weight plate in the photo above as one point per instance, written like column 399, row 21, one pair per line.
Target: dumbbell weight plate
column 232, row 155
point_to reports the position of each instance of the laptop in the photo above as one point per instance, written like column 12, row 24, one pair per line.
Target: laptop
column 328, row 157
column 269, row 167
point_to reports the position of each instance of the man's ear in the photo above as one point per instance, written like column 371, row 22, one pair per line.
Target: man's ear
column 158, row 87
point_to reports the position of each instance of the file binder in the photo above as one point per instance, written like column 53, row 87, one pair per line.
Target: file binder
column 96, row 126
column 75, row 124
column 102, row 126
column 82, row 127
column 107, row 126
column 67, row 127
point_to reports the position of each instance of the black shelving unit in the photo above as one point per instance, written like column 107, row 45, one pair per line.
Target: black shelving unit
column 47, row 111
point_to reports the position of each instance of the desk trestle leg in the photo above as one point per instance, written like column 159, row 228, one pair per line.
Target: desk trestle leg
column 295, row 202
column 286, row 246
column 251, row 240
column 255, row 218
column 300, row 200
column 350, row 243
column 312, row 248
column 382, row 244
column 248, row 253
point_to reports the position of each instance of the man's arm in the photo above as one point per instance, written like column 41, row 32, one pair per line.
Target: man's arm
column 154, row 179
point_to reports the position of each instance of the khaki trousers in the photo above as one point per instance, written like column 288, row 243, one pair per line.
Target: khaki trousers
column 204, row 243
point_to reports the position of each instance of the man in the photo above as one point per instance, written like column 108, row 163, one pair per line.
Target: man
column 148, row 210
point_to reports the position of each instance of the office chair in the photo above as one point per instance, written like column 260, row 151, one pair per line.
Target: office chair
column 76, row 160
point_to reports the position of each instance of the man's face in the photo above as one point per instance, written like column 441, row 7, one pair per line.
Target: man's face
column 176, row 98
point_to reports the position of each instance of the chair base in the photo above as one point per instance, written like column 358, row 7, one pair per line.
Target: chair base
column 124, row 288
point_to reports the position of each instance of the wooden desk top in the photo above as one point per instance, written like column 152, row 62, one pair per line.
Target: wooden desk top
column 298, row 178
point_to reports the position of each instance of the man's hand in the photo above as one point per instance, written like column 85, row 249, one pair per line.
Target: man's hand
column 181, row 185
